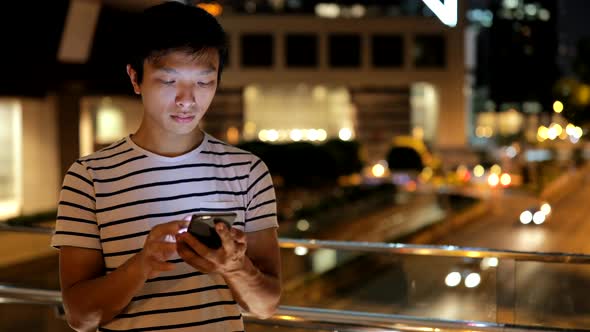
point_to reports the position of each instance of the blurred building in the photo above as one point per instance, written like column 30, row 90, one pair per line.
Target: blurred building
column 297, row 70
column 515, row 65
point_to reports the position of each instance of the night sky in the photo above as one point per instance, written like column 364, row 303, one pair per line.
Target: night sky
column 572, row 24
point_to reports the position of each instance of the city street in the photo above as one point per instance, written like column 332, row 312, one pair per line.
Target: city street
column 548, row 294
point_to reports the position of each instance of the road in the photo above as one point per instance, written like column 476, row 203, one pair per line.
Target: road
column 547, row 294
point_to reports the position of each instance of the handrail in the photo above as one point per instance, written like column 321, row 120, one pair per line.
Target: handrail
column 309, row 318
column 394, row 248
column 30, row 295
column 435, row 250
column 4, row 227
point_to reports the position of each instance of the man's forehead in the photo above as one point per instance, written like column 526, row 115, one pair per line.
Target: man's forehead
column 205, row 58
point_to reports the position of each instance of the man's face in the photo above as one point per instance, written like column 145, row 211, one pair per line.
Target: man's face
column 177, row 89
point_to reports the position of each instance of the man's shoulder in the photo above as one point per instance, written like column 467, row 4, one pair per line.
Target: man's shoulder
column 105, row 153
column 219, row 147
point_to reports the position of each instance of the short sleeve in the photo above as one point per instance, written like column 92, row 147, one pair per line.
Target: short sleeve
column 261, row 210
column 76, row 223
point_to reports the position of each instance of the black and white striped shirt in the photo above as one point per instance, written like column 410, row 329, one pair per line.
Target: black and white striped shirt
column 111, row 199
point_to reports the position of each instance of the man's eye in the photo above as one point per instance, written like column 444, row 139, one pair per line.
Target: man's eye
column 168, row 82
column 206, row 83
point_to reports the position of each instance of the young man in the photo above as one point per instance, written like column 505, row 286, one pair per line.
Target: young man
column 125, row 262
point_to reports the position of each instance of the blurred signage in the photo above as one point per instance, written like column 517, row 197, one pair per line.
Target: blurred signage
column 446, row 11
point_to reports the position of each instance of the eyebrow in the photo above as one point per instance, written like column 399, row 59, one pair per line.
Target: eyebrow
column 170, row 70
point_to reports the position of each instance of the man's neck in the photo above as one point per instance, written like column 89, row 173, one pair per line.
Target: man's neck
column 168, row 145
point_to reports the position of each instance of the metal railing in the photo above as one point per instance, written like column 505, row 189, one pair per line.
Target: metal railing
column 302, row 317
column 434, row 250
column 392, row 248
column 347, row 320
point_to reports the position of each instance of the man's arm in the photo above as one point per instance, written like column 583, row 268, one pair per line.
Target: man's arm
column 253, row 274
column 92, row 298
column 257, row 286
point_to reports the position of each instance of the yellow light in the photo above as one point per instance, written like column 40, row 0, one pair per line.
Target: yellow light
column 552, row 133
column 526, row 217
column 453, row 279
column 546, row 208
column 233, row 135
column 322, row 135
column 539, row 217
column 212, row 8
column 578, row 132
column 303, row 225
column 505, row 179
column 478, row 171
column 558, row 129
column 583, row 94
column 426, row 174
column 496, row 169
column 569, row 129
column 313, row 135
column 345, row 134
column 378, row 170
column 263, row 135
column 557, row 106
column 473, row 254
column 296, row 135
column 301, row 251
column 472, row 280
column 543, row 132
column 480, row 131
column 273, row 135
column 493, row 179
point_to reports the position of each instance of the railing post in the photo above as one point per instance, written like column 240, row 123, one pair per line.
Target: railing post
column 506, row 291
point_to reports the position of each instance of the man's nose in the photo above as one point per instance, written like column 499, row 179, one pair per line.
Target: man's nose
column 185, row 98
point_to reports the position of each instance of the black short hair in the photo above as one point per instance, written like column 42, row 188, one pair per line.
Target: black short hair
column 173, row 26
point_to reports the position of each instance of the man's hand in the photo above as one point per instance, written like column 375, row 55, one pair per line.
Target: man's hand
column 157, row 250
column 228, row 258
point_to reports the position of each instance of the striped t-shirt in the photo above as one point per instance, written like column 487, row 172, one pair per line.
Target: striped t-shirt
column 111, row 199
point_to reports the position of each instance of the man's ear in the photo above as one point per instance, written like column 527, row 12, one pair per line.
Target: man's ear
column 133, row 77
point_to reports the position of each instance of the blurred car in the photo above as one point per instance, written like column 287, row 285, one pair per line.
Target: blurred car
column 470, row 273
column 535, row 215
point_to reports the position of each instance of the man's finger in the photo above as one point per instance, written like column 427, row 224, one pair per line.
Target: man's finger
column 163, row 249
column 160, row 231
column 227, row 240
column 238, row 235
column 190, row 257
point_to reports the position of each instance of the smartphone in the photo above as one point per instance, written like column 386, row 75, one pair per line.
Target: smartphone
column 202, row 226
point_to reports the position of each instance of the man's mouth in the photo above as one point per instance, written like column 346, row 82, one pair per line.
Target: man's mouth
column 183, row 118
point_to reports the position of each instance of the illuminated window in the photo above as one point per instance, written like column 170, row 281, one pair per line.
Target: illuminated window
column 10, row 159
column 110, row 125
column 298, row 112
